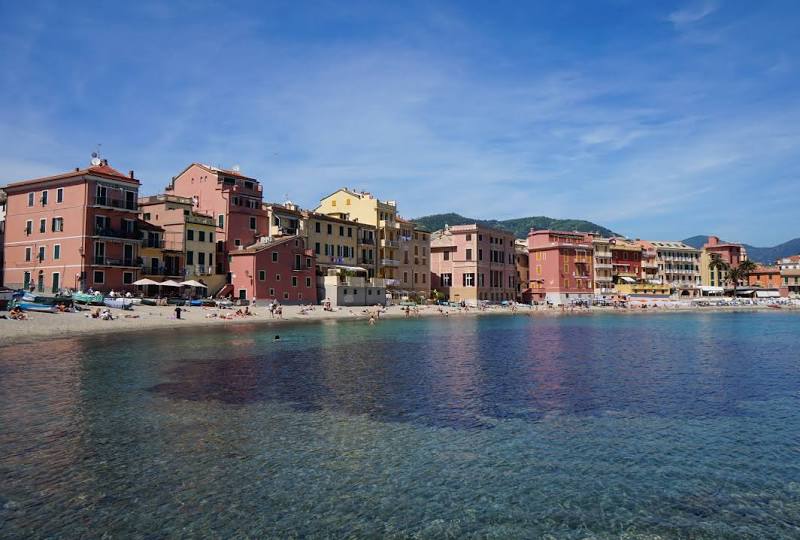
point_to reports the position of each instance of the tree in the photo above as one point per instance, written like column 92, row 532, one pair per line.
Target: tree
column 716, row 263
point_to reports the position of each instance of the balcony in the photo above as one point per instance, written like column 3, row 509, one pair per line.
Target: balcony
column 113, row 202
column 161, row 271
column 362, row 260
column 386, row 224
column 653, row 266
column 602, row 254
column 604, row 279
column 389, row 243
column 107, row 261
column 108, row 232
column 364, row 241
column 156, row 244
column 601, row 266
column 199, row 270
column 390, row 262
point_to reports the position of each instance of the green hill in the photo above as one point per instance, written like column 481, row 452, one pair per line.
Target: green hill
column 519, row 226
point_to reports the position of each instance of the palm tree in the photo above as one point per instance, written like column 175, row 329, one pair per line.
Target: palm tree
column 735, row 275
column 716, row 263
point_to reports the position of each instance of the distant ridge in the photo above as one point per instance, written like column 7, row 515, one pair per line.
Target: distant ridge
column 519, row 226
column 764, row 255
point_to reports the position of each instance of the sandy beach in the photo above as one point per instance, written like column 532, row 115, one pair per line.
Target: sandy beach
column 56, row 325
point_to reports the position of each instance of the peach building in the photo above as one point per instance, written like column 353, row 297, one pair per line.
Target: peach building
column 560, row 266
column 73, row 230
column 233, row 200
column 472, row 263
column 767, row 277
column 523, row 271
column 728, row 252
column 603, row 269
column 790, row 274
column 2, row 230
column 280, row 269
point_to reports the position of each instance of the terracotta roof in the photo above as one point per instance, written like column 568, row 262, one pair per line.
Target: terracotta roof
column 103, row 170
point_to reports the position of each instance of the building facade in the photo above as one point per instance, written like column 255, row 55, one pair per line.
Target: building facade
column 730, row 253
column 561, row 266
column 231, row 199
column 74, row 230
column 472, row 263
column 603, row 268
column 191, row 234
column 523, row 271
column 678, row 267
column 413, row 272
column 790, row 274
column 158, row 261
column 275, row 269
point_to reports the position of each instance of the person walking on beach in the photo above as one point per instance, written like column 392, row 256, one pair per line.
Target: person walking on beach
column 178, row 312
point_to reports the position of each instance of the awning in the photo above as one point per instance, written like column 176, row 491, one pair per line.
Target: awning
column 627, row 279
column 343, row 267
column 145, row 281
column 169, row 283
column 768, row 294
column 710, row 289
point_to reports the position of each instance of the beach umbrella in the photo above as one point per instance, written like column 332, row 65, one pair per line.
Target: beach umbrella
column 169, row 283
column 145, row 281
column 193, row 283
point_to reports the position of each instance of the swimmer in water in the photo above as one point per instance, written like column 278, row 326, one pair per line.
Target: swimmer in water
column 276, row 338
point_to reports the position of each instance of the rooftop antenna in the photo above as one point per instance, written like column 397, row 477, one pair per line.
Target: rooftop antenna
column 96, row 156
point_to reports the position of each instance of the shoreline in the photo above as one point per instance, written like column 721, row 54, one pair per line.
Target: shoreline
column 50, row 326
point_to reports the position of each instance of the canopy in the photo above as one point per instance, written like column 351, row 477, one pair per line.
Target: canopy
column 345, row 267
column 145, row 281
column 627, row 279
column 768, row 294
column 193, row 283
column 710, row 289
column 169, row 283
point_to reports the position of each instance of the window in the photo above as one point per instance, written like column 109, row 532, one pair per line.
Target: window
column 60, row 195
column 127, row 278
column 190, row 234
column 201, row 258
column 99, row 277
column 317, row 227
column 56, row 252
column 308, row 262
column 190, row 257
column 424, row 278
column 31, row 197
column 341, row 230
column 469, row 237
column 347, row 202
column 28, row 254
column 447, row 280
column 272, row 292
column 274, row 256
column 146, row 216
column 298, row 262
column 405, row 277
column 286, row 296
column 252, row 223
column 330, row 228
column 56, row 282
column 201, row 236
column 42, row 225
column 480, row 254
column 468, row 280
column 28, row 227
column 237, row 242
column 349, row 230
column 262, row 275
column 294, row 281
column 416, row 278
column 277, row 277
column 211, row 237
column 41, row 253
column 316, row 246
column 446, row 255
column 26, row 280
column 221, row 221
column 469, row 254
column 58, row 224
column 308, row 282
column 44, row 198
column 333, row 202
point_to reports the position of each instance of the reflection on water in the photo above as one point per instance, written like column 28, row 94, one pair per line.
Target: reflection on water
column 672, row 425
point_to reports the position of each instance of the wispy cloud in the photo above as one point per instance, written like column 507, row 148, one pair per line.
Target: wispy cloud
column 692, row 13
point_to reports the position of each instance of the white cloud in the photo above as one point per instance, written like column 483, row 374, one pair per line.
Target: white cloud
column 692, row 14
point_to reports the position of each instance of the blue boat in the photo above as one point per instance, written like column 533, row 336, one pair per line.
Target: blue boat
column 32, row 306
column 119, row 303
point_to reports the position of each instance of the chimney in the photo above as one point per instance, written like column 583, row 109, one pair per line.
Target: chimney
column 130, row 173
column 77, row 169
column 105, row 162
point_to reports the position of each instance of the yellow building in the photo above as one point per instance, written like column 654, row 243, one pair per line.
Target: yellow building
column 643, row 289
column 158, row 262
column 190, row 233
column 365, row 208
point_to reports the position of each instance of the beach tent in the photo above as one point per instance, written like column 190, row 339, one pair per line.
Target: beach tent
column 146, row 281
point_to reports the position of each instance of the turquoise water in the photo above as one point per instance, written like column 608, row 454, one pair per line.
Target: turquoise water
column 606, row 426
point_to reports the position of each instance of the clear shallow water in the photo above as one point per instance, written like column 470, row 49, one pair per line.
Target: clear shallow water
column 651, row 426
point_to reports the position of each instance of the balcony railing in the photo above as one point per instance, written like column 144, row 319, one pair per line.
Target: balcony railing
column 114, row 202
column 603, row 265
column 362, row 260
column 390, row 262
column 390, row 243
column 116, row 233
column 199, row 270
column 161, row 271
column 159, row 244
column 366, row 241
column 107, row 261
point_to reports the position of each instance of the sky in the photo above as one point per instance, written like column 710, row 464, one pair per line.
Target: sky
column 659, row 120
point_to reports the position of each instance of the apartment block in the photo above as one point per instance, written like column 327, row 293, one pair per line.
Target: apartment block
column 73, row 230
column 678, row 266
column 472, row 263
column 728, row 252
column 602, row 267
column 561, row 266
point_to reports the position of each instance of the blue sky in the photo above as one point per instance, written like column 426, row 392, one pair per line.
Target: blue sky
column 660, row 120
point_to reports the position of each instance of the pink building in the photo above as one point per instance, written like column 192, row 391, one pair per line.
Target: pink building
column 281, row 269
column 232, row 199
column 731, row 253
column 471, row 263
column 560, row 266
column 74, row 230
